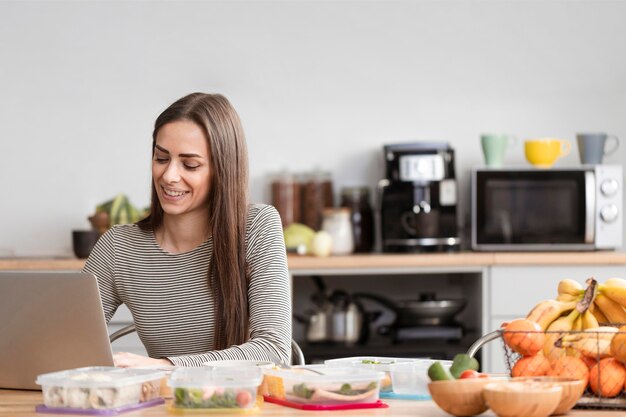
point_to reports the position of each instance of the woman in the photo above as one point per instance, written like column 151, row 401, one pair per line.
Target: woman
column 205, row 274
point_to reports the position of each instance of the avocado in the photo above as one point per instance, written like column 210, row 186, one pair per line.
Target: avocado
column 437, row 372
column 463, row 362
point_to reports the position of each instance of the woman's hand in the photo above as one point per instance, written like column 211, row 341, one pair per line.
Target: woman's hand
column 131, row 360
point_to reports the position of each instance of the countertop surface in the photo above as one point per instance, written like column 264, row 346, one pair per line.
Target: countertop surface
column 22, row 403
column 303, row 263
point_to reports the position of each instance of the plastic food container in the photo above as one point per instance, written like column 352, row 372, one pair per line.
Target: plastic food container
column 376, row 363
column 336, row 385
column 412, row 378
column 99, row 388
column 215, row 389
column 165, row 390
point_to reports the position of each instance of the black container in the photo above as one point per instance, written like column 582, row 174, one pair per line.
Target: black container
column 83, row 242
column 357, row 199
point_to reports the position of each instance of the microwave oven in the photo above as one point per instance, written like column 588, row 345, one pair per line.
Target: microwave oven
column 530, row 209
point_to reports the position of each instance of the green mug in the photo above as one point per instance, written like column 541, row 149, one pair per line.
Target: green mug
column 494, row 147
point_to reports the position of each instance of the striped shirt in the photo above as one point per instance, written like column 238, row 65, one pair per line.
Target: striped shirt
column 169, row 297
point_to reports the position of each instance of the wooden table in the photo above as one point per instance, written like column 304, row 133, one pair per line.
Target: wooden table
column 22, row 403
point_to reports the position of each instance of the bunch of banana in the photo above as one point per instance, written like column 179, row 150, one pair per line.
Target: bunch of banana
column 595, row 342
column 576, row 322
column 608, row 300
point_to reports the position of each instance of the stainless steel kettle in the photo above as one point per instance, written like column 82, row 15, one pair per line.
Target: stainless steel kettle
column 346, row 319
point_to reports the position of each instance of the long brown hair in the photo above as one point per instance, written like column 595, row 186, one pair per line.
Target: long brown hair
column 228, row 206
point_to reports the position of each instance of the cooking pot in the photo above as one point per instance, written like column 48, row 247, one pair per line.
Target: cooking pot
column 425, row 311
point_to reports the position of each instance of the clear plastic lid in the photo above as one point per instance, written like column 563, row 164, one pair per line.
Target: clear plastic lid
column 327, row 374
column 216, row 377
column 378, row 363
column 98, row 377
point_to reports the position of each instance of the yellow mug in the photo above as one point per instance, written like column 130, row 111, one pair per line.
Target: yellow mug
column 543, row 153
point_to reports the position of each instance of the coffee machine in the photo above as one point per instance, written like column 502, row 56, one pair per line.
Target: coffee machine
column 418, row 198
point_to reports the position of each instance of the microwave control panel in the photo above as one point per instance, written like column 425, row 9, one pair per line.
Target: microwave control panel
column 609, row 206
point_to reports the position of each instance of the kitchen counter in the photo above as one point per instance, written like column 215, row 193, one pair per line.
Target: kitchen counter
column 382, row 261
column 22, row 403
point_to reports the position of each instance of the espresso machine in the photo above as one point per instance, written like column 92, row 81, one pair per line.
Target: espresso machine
column 418, row 198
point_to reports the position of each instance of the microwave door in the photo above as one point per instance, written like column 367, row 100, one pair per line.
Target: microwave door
column 534, row 210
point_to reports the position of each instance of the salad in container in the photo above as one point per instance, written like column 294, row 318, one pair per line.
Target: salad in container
column 215, row 388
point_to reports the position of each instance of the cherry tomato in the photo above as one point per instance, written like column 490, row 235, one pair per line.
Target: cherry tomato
column 243, row 398
column 470, row 373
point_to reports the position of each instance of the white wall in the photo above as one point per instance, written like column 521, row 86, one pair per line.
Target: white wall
column 317, row 84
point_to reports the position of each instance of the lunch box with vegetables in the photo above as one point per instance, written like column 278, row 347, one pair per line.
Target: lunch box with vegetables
column 215, row 388
column 324, row 384
column 376, row 363
column 99, row 388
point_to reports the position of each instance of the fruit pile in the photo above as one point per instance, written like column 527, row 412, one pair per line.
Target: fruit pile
column 580, row 334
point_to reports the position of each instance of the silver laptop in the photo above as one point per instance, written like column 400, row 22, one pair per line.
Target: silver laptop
column 49, row 321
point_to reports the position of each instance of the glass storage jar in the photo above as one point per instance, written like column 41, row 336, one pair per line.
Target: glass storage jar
column 286, row 197
column 317, row 194
column 337, row 223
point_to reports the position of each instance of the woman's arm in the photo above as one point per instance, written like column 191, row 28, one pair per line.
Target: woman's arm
column 269, row 296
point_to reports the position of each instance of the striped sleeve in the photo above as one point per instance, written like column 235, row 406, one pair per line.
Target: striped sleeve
column 101, row 263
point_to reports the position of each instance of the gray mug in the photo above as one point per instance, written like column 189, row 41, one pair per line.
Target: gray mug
column 591, row 147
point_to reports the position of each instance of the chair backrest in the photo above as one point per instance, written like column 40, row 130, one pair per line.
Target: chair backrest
column 297, row 356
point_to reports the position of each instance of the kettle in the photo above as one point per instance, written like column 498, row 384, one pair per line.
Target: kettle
column 350, row 323
column 346, row 319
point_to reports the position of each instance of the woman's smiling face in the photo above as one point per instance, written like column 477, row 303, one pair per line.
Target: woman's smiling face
column 181, row 168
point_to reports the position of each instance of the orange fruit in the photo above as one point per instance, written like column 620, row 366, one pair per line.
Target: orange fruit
column 607, row 377
column 537, row 365
column 523, row 336
column 570, row 367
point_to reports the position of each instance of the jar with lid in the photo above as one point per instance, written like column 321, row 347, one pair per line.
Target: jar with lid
column 337, row 223
column 361, row 217
column 317, row 194
column 286, row 197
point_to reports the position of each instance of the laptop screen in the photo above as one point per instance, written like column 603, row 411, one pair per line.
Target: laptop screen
column 49, row 321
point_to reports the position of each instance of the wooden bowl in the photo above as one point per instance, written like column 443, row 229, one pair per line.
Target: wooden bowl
column 522, row 398
column 573, row 389
column 460, row 397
